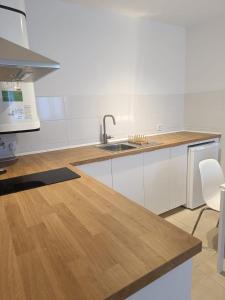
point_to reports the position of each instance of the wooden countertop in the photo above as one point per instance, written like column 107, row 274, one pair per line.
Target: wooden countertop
column 80, row 239
column 164, row 140
column 93, row 154
column 81, row 155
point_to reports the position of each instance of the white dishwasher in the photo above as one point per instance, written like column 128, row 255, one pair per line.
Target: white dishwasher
column 197, row 153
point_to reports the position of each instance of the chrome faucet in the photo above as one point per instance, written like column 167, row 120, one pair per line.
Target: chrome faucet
column 105, row 137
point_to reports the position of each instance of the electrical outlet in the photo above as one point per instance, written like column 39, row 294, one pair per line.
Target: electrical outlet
column 159, row 127
column 7, row 145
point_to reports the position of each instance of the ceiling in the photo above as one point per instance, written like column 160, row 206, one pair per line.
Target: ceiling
column 179, row 12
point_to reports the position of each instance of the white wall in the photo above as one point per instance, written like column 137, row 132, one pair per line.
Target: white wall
column 205, row 98
column 159, row 77
column 206, row 57
column 130, row 67
column 160, row 60
column 96, row 49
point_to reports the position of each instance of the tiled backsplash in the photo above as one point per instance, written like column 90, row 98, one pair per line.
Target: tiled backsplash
column 77, row 120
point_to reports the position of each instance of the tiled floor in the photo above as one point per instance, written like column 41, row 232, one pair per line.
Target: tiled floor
column 207, row 283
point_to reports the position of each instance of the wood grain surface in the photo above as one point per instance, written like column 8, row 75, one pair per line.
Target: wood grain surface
column 81, row 155
column 80, row 239
column 91, row 154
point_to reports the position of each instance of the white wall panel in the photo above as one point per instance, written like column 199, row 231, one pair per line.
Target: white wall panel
column 110, row 63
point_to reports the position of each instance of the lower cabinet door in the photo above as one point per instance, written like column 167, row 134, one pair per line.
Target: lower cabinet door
column 128, row 178
column 178, row 176
column 156, row 180
column 100, row 170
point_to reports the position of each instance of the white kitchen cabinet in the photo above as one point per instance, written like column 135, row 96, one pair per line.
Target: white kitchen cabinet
column 165, row 178
column 156, row 180
column 100, row 170
column 127, row 173
column 178, row 176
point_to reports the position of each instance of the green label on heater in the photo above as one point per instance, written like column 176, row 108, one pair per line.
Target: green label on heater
column 12, row 96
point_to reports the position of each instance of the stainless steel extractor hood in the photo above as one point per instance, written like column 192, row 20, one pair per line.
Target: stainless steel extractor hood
column 21, row 64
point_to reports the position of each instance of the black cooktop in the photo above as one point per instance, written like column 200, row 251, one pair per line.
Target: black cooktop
column 31, row 181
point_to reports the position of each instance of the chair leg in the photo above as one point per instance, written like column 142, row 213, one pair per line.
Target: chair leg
column 199, row 217
column 217, row 225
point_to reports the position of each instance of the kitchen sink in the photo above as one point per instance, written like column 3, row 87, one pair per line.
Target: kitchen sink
column 117, row 147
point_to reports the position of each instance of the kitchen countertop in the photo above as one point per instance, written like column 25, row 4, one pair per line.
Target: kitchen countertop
column 88, row 154
column 91, row 154
column 80, row 239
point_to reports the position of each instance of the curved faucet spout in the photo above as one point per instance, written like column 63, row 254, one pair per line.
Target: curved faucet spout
column 105, row 136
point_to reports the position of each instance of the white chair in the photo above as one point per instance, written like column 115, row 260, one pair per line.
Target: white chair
column 221, row 233
column 212, row 178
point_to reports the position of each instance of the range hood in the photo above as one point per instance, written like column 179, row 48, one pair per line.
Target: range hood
column 21, row 64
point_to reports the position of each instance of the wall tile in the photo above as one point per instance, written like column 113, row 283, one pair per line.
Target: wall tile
column 80, row 106
column 52, row 132
column 150, row 110
column 75, row 120
column 205, row 112
column 50, row 108
column 83, row 129
column 87, row 106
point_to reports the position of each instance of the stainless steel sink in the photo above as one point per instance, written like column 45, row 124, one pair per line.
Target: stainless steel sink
column 117, row 147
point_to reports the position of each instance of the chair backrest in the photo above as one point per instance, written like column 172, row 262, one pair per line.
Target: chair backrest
column 211, row 177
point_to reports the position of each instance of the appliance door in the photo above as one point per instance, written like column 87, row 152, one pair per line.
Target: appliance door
column 196, row 154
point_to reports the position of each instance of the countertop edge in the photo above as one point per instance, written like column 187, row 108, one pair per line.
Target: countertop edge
column 144, row 281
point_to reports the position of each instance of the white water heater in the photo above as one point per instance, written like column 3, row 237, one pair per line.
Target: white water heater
column 18, row 110
column 19, row 67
